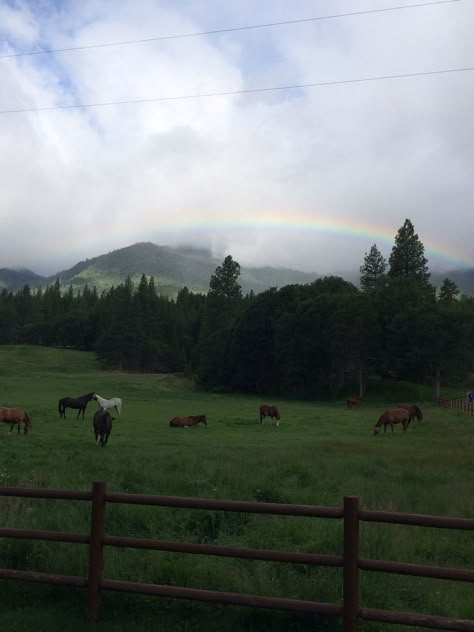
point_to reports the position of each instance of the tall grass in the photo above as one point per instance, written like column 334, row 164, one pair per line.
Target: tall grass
column 320, row 453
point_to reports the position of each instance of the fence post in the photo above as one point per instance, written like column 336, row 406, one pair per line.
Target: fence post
column 351, row 563
column 96, row 558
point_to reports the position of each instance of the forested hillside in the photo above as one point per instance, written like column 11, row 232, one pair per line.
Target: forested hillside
column 171, row 269
column 319, row 338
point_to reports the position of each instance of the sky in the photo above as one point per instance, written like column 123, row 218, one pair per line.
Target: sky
column 307, row 178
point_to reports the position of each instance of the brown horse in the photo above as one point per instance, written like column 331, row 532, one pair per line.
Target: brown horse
column 390, row 417
column 413, row 411
column 102, row 426
column 271, row 411
column 353, row 401
column 16, row 416
column 184, row 422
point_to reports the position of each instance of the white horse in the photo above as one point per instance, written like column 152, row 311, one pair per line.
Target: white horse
column 115, row 402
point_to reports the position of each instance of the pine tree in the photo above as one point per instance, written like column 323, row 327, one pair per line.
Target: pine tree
column 372, row 273
column 224, row 282
column 407, row 260
column 448, row 291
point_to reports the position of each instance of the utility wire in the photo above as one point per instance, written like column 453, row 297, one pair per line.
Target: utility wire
column 229, row 30
column 235, row 92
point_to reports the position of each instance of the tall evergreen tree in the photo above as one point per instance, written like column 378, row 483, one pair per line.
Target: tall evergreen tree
column 448, row 291
column 372, row 273
column 222, row 305
column 407, row 259
column 224, row 281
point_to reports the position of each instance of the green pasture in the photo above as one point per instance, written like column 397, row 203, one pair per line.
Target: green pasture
column 321, row 452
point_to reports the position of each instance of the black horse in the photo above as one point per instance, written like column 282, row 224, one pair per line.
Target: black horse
column 74, row 402
column 102, row 426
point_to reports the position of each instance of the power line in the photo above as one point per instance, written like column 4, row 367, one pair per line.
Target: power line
column 236, row 92
column 229, row 30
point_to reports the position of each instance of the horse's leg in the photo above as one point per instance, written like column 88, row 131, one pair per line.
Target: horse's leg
column 11, row 428
column 18, row 427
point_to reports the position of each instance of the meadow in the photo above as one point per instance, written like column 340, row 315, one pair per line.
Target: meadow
column 321, row 452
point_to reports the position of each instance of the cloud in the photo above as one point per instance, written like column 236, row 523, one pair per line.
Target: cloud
column 261, row 176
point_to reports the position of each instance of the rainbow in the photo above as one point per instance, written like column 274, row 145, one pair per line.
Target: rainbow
column 369, row 232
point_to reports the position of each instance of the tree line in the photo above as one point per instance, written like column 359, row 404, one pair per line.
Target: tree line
column 316, row 339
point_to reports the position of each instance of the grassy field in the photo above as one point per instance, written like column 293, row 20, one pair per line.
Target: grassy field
column 321, row 452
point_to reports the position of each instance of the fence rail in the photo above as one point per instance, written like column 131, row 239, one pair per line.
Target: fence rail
column 459, row 403
column 350, row 610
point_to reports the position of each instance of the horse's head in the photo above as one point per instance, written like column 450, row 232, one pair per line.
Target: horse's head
column 376, row 430
column 203, row 418
column 26, row 423
column 93, row 396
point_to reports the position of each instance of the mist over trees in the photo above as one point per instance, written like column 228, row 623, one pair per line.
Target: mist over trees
column 318, row 339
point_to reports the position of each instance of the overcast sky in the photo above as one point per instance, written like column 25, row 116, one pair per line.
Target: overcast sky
column 307, row 178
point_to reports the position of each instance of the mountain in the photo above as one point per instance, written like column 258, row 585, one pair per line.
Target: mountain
column 16, row 279
column 464, row 279
column 172, row 269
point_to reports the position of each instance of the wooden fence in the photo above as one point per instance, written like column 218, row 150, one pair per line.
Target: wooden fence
column 459, row 403
column 351, row 514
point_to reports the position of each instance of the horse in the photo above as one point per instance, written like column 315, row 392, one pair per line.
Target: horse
column 353, row 401
column 271, row 411
column 16, row 416
column 184, row 422
column 102, row 426
column 115, row 402
column 390, row 417
column 74, row 402
column 413, row 411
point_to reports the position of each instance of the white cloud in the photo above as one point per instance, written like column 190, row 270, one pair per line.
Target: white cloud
column 76, row 183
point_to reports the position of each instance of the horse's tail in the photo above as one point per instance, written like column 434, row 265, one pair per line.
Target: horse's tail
column 60, row 407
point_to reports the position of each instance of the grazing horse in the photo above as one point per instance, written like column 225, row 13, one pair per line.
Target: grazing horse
column 115, row 402
column 390, row 417
column 269, row 411
column 102, row 426
column 184, row 422
column 74, row 402
column 353, row 401
column 413, row 411
column 16, row 416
